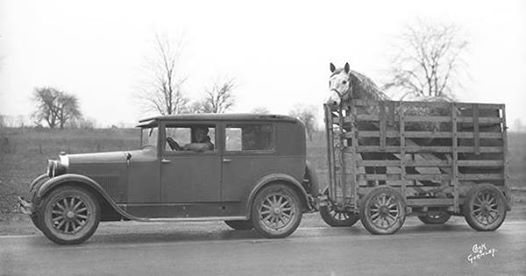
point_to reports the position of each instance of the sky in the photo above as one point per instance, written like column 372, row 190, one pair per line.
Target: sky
column 278, row 52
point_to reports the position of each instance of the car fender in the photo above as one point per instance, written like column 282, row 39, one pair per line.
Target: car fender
column 313, row 178
column 83, row 181
column 277, row 177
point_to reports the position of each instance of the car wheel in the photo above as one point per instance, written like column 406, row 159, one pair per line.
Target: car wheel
column 336, row 218
column 69, row 215
column 484, row 208
column 239, row 224
column 382, row 211
column 276, row 211
column 439, row 217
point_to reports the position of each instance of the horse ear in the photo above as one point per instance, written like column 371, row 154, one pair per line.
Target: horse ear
column 333, row 68
column 347, row 68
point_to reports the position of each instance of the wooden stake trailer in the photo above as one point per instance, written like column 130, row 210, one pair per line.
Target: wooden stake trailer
column 389, row 159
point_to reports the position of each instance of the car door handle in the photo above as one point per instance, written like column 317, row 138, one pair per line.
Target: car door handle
column 166, row 161
column 226, row 160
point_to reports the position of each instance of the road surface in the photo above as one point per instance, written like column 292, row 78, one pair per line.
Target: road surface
column 211, row 248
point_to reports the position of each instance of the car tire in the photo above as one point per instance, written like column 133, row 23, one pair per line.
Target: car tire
column 239, row 224
column 484, row 207
column 276, row 211
column 440, row 217
column 382, row 211
column 69, row 215
column 336, row 218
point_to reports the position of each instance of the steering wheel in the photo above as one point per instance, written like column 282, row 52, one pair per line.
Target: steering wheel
column 173, row 144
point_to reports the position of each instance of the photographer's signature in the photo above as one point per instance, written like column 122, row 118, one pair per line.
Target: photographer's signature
column 480, row 251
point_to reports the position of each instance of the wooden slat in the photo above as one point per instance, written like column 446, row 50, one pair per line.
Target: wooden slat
column 422, row 149
column 383, row 126
column 480, row 163
column 481, row 120
column 476, row 136
column 429, row 134
column 430, row 201
column 486, row 176
column 408, row 163
column 396, row 177
column 454, row 167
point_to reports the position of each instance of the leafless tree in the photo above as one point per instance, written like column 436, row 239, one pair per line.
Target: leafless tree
column 54, row 107
column 429, row 60
column 260, row 110
column 219, row 99
column 306, row 114
column 163, row 91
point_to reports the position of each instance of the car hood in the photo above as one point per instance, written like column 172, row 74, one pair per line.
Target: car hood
column 99, row 157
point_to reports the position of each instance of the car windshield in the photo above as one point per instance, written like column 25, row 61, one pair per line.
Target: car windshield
column 149, row 136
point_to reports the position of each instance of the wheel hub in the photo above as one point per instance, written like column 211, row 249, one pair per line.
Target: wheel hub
column 70, row 214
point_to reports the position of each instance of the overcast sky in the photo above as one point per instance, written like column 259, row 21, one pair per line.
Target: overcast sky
column 277, row 51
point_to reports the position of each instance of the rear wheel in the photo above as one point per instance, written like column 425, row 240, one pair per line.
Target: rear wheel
column 382, row 211
column 336, row 218
column 69, row 215
column 484, row 208
column 276, row 211
column 240, row 224
column 435, row 217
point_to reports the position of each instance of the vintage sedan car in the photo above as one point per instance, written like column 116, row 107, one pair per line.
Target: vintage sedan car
column 245, row 169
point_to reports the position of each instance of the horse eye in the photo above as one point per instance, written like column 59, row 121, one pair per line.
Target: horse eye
column 344, row 82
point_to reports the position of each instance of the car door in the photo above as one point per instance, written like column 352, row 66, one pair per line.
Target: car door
column 189, row 176
column 249, row 154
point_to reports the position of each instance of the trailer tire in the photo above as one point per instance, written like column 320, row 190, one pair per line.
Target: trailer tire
column 382, row 211
column 484, row 207
column 440, row 217
column 337, row 218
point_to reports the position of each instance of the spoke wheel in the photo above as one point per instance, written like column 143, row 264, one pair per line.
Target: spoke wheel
column 484, row 208
column 383, row 211
column 276, row 211
column 437, row 217
column 240, row 224
column 336, row 218
column 70, row 215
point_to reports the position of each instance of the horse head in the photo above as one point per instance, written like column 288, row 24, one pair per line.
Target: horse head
column 340, row 81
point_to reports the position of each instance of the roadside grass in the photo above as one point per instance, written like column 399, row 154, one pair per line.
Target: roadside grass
column 24, row 153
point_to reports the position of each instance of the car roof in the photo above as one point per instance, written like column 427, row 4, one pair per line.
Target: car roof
column 222, row 117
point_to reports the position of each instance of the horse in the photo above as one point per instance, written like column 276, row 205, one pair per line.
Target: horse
column 350, row 85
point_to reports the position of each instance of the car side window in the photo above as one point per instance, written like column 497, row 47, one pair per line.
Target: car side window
column 249, row 137
column 190, row 138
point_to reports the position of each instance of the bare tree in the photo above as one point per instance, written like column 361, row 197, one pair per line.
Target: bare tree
column 219, row 98
column 54, row 107
column 429, row 60
column 163, row 93
column 307, row 115
column 260, row 110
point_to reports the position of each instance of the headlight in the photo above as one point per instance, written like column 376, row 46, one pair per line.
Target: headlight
column 51, row 166
column 56, row 168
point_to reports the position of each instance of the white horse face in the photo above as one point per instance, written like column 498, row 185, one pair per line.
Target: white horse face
column 339, row 80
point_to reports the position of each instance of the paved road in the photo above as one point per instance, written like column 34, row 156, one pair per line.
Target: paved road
column 213, row 249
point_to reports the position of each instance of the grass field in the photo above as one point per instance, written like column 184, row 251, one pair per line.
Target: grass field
column 24, row 153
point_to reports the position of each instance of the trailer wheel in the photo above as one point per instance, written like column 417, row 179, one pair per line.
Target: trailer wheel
column 69, row 215
column 239, row 224
column 336, row 218
column 276, row 211
column 484, row 208
column 439, row 217
column 382, row 211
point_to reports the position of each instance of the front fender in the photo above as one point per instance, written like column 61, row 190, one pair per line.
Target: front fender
column 277, row 177
column 82, row 181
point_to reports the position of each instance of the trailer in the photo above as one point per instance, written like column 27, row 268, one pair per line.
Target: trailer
column 391, row 159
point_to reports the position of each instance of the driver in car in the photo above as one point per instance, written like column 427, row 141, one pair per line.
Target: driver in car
column 200, row 141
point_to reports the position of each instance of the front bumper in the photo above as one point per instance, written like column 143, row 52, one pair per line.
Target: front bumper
column 24, row 206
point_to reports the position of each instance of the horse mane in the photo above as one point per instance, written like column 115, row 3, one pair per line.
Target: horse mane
column 364, row 88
